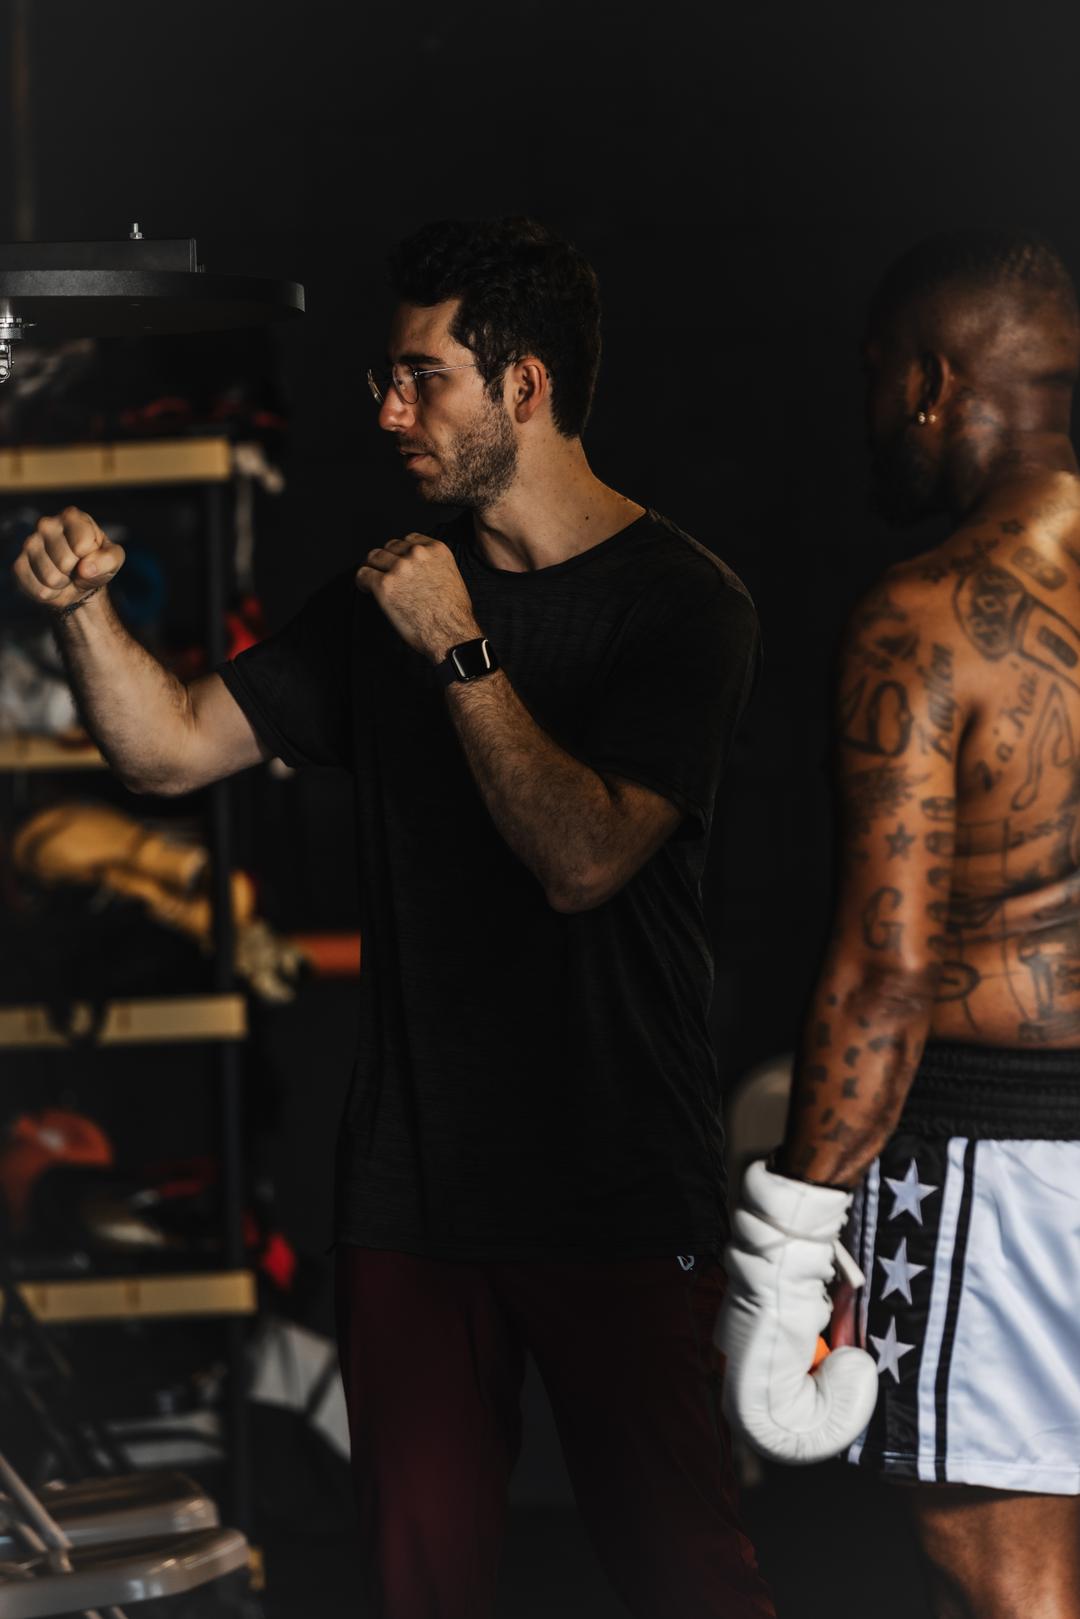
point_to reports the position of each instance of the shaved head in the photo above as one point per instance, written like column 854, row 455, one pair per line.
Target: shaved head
column 972, row 262
column 973, row 341
column 992, row 299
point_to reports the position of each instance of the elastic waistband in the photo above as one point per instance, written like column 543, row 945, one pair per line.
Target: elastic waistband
column 990, row 1093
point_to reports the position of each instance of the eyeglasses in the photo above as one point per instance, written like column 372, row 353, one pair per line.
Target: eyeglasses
column 405, row 380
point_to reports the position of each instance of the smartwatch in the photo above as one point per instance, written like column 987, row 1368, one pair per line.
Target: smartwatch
column 469, row 661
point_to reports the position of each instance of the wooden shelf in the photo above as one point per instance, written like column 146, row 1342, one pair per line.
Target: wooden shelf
column 43, row 753
column 125, row 1298
column 104, row 466
column 176, row 1018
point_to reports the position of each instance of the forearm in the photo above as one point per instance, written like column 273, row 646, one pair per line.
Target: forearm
column 862, row 1043
column 556, row 814
column 580, row 835
column 138, row 713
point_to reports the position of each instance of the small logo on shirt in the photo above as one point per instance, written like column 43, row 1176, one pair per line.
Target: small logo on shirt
column 686, row 1261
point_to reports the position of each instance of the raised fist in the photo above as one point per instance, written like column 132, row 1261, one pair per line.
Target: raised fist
column 65, row 559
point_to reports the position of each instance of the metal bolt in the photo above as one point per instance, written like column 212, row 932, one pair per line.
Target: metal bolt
column 136, row 234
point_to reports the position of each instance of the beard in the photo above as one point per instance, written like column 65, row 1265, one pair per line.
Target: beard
column 478, row 465
column 906, row 483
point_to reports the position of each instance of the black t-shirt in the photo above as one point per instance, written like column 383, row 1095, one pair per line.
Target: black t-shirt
column 528, row 1084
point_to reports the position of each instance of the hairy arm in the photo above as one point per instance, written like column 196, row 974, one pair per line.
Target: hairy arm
column 157, row 735
column 583, row 835
column 899, row 721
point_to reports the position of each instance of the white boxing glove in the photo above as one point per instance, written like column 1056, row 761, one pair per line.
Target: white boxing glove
column 784, row 1250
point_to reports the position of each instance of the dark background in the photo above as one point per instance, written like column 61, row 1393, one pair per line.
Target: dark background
column 738, row 175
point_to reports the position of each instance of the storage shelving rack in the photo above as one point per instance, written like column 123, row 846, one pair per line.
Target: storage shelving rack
column 218, row 1018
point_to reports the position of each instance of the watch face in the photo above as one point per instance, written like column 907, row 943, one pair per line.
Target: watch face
column 473, row 658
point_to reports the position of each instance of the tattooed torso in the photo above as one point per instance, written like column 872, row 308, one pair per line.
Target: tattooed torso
column 1010, row 937
column 957, row 913
column 1003, row 860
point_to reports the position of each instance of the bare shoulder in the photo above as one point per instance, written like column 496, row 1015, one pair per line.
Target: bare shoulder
column 911, row 670
column 990, row 596
column 1013, row 596
column 905, row 628
column 923, row 590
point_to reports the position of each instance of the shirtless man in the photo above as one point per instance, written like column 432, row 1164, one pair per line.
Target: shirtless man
column 937, row 1088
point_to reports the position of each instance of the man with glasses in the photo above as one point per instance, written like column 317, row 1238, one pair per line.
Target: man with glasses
column 536, row 707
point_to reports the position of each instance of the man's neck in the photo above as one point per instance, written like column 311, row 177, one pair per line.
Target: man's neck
column 1018, row 462
column 552, row 511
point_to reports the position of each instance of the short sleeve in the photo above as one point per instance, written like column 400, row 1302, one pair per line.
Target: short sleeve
column 296, row 686
column 669, row 702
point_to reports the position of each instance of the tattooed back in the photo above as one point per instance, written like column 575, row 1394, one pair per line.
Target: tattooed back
column 960, row 727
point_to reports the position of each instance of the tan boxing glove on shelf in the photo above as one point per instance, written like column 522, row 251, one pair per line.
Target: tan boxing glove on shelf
column 91, row 843
column 188, row 913
column 269, row 963
column 77, row 843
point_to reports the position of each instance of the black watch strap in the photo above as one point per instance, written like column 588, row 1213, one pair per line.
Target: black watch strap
column 469, row 661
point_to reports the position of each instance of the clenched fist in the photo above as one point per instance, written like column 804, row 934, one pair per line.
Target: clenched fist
column 417, row 584
column 66, row 559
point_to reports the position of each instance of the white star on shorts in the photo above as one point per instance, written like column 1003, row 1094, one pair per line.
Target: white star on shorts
column 908, row 1194
column 890, row 1351
column 899, row 1272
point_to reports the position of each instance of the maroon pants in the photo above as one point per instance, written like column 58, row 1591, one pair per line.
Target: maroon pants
column 433, row 1354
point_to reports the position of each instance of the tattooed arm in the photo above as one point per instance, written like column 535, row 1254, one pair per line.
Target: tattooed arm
column 899, row 721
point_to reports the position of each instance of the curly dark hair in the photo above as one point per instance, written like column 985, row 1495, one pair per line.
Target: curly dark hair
column 522, row 291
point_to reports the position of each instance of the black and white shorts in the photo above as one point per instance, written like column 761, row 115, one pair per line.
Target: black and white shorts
column 967, row 1229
